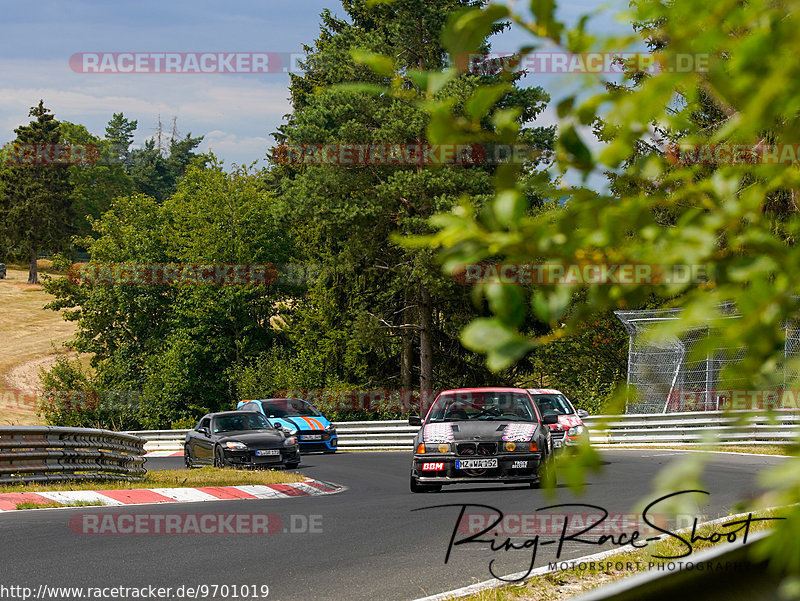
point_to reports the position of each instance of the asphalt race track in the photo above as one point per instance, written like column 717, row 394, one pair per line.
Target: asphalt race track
column 372, row 545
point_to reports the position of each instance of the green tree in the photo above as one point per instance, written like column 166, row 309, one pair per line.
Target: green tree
column 119, row 134
column 717, row 218
column 156, row 173
column 97, row 182
column 35, row 197
column 389, row 306
column 173, row 348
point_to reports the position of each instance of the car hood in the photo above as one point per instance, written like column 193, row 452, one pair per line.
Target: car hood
column 565, row 422
column 493, row 430
column 301, row 423
column 251, row 437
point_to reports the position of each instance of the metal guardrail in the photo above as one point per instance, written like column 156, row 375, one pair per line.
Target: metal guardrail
column 684, row 429
column 695, row 428
column 44, row 453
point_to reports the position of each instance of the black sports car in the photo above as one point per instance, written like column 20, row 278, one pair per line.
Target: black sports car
column 239, row 438
column 481, row 435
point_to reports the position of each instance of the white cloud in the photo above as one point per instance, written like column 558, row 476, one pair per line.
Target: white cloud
column 240, row 111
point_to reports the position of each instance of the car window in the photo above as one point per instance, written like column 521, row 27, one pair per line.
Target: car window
column 553, row 404
column 240, row 421
column 483, row 405
column 204, row 423
column 289, row 408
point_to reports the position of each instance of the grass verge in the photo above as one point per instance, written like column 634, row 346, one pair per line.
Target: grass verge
column 206, row 476
column 784, row 450
column 562, row 585
column 54, row 505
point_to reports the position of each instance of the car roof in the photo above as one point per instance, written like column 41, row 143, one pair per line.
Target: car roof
column 224, row 413
column 485, row 389
column 544, row 391
column 275, row 399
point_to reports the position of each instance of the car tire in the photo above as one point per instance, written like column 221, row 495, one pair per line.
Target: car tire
column 219, row 457
column 546, row 471
column 417, row 487
column 187, row 459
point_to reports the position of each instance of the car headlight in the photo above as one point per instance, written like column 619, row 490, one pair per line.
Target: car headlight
column 235, row 445
column 441, row 447
column 330, row 428
column 576, row 431
column 290, row 441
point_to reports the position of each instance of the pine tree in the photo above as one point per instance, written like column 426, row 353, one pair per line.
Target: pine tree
column 347, row 215
column 35, row 196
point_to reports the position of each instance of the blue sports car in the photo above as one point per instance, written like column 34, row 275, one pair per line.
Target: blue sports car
column 314, row 431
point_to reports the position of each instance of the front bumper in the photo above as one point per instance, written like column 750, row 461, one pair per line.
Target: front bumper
column 248, row 458
column 509, row 469
column 326, row 443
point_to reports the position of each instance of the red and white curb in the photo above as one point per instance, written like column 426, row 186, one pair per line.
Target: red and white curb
column 164, row 454
column 307, row 488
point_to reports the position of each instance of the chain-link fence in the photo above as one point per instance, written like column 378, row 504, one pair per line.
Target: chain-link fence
column 669, row 376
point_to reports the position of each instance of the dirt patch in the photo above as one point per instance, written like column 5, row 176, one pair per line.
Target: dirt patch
column 32, row 338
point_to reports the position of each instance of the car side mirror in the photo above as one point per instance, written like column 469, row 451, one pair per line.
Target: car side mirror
column 414, row 420
column 583, row 413
column 550, row 418
column 204, row 430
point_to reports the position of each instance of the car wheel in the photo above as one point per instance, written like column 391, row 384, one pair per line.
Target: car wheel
column 219, row 457
column 546, row 472
column 417, row 487
column 187, row 459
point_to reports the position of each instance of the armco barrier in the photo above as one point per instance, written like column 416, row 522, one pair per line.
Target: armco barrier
column 685, row 429
column 694, row 428
column 43, row 453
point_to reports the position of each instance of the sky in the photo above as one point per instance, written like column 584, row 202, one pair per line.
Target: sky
column 235, row 112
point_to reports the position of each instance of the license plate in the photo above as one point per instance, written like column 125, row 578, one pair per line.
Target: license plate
column 268, row 452
column 472, row 464
column 556, row 444
column 311, row 437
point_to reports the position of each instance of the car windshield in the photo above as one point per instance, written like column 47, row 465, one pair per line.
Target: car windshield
column 289, row 408
column 553, row 404
column 482, row 405
column 240, row 421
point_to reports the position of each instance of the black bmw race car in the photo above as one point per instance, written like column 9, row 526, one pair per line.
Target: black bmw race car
column 481, row 435
column 239, row 438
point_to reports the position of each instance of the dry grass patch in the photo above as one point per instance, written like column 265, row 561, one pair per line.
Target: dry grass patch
column 207, row 476
column 32, row 339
